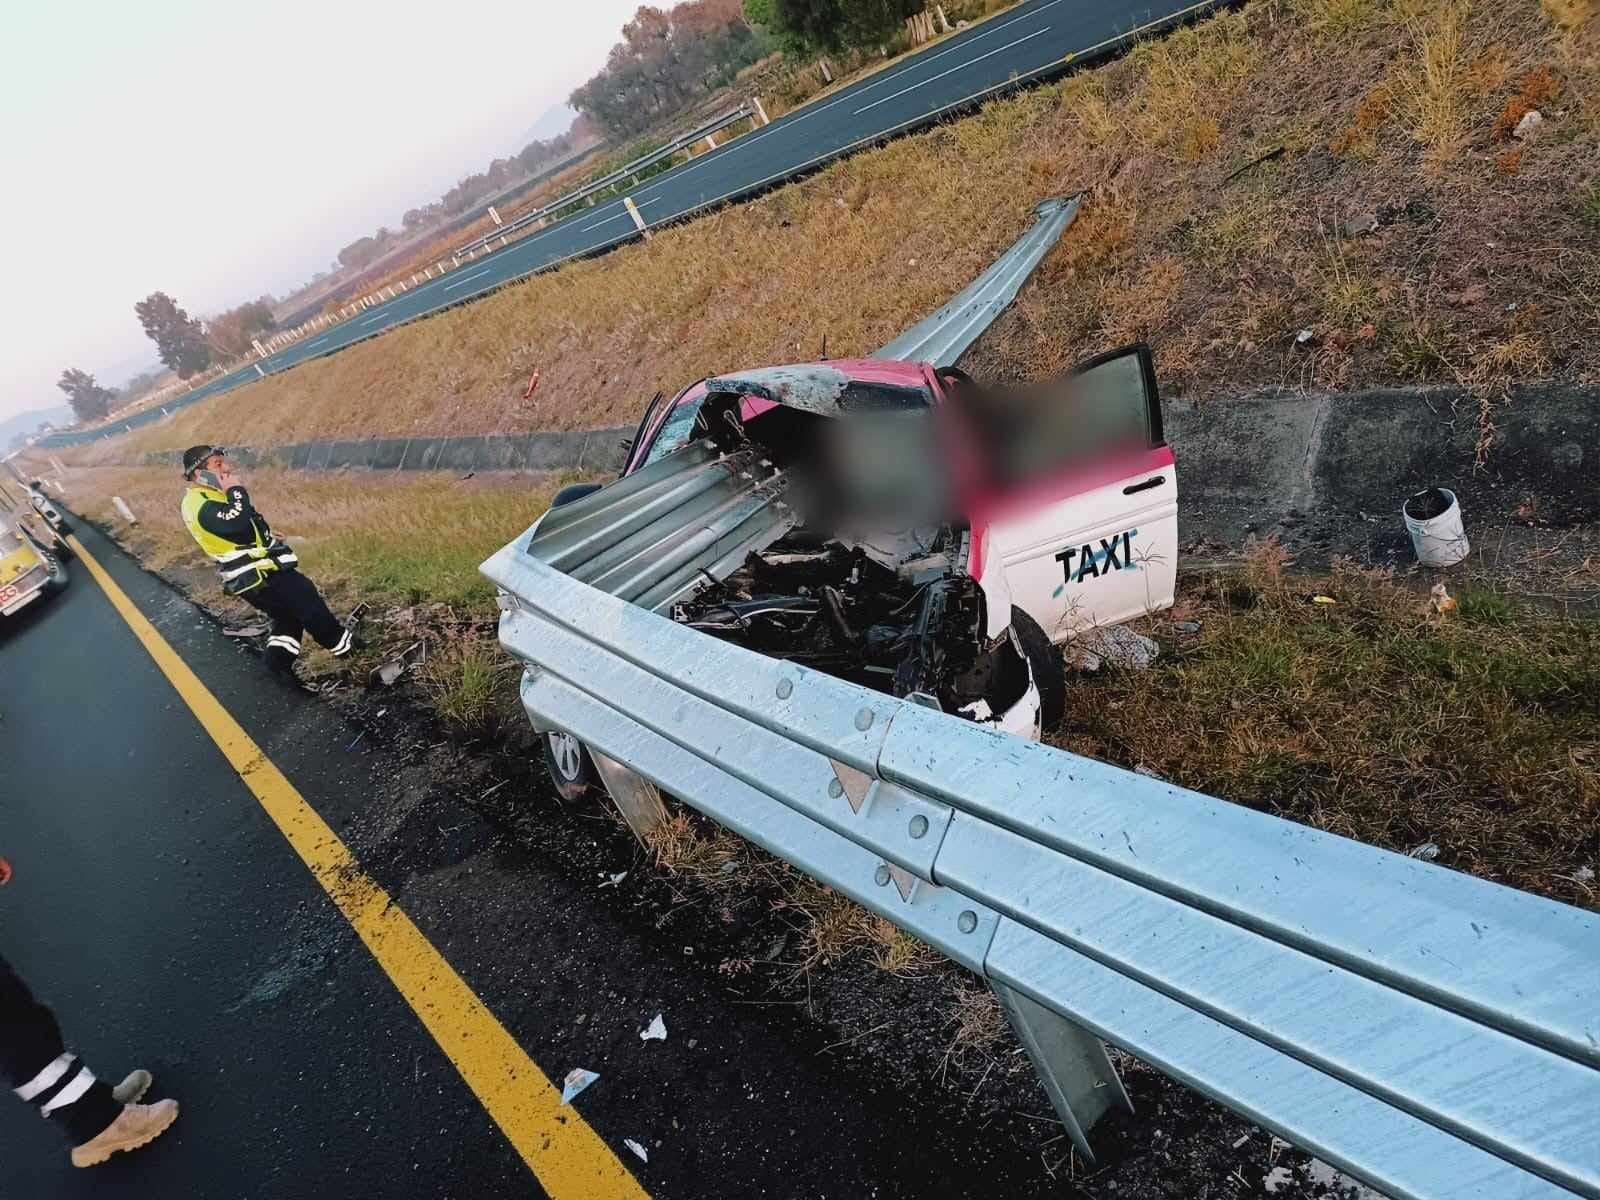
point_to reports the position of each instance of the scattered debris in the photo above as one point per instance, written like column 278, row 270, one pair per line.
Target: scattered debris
column 1321, row 598
column 463, row 478
column 1149, row 773
column 388, row 673
column 1528, row 128
column 1440, row 600
column 656, row 1031
column 245, row 631
column 1364, row 224
column 1275, row 152
column 577, row 1079
column 533, row 386
column 1115, row 644
column 614, row 880
column 1186, row 626
column 356, row 739
column 1583, row 875
column 357, row 614
column 1306, row 337
column 1427, row 851
column 644, row 1155
column 1276, row 1178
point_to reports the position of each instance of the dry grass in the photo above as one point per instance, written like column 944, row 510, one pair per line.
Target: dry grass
column 1217, row 272
column 832, row 929
column 1375, row 718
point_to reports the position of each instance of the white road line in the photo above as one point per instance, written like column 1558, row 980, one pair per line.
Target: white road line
column 319, row 341
column 951, row 71
column 467, row 279
column 376, row 317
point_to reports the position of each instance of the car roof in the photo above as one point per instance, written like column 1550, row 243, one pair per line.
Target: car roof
column 819, row 386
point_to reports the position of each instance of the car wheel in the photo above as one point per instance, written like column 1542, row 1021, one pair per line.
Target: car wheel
column 1049, row 671
column 63, row 550
column 569, row 766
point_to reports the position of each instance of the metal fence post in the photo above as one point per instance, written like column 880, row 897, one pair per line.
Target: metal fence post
column 636, row 798
column 1072, row 1064
column 633, row 211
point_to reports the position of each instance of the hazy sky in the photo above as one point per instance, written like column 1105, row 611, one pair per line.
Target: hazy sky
column 218, row 151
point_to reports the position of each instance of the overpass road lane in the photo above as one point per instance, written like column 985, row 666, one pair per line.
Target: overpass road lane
column 1032, row 40
column 167, row 919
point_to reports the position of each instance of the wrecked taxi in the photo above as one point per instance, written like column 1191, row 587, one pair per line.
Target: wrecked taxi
column 896, row 524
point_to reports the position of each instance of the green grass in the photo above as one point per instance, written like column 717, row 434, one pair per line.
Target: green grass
column 1376, row 719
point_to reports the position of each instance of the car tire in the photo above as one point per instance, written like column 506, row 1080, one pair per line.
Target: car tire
column 569, row 766
column 1049, row 670
column 574, row 491
column 63, row 550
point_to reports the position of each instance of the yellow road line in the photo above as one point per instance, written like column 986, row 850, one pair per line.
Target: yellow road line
column 569, row 1158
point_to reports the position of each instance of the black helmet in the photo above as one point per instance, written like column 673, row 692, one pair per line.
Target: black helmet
column 195, row 455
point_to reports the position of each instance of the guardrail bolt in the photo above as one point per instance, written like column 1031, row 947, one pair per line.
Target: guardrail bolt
column 919, row 826
column 835, row 788
column 881, row 875
column 864, row 720
column 785, row 690
column 967, row 921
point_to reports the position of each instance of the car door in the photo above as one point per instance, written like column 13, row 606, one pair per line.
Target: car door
column 1091, row 537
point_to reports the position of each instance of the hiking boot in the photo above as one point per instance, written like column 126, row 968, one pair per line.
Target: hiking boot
column 137, row 1125
column 132, row 1089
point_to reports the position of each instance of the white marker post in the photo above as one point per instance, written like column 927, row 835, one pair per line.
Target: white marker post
column 760, row 111
column 494, row 216
column 633, row 211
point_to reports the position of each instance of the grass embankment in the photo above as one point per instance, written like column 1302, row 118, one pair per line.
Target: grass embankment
column 1480, row 263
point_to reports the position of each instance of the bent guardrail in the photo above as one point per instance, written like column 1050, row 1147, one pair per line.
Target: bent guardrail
column 1431, row 1033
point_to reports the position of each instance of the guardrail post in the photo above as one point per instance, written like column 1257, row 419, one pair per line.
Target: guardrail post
column 633, row 211
column 760, row 111
column 1072, row 1063
column 711, row 142
column 637, row 799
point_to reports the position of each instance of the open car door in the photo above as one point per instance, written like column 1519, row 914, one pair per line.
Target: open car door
column 1084, row 515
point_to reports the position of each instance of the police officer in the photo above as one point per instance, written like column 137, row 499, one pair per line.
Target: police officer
column 254, row 564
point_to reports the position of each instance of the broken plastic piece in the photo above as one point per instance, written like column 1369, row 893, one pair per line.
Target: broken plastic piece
column 577, row 1079
column 614, row 880
column 1427, row 851
column 245, row 631
column 644, row 1155
column 655, row 1032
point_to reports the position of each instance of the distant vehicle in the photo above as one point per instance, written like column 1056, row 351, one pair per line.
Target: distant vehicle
column 30, row 569
column 897, row 524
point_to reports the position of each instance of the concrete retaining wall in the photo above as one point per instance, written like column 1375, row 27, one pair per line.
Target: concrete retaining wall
column 596, row 450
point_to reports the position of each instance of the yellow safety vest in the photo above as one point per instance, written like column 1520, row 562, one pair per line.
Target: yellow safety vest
column 242, row 566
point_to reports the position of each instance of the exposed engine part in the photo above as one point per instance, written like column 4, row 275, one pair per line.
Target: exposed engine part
column 834, row 608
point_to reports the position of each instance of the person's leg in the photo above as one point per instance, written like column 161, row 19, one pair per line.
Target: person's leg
column 312, row 612
column 42, row 1072
column 283, row 643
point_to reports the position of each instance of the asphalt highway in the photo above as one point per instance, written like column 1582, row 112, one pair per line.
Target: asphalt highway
column 162, row 907
column 1030, row 41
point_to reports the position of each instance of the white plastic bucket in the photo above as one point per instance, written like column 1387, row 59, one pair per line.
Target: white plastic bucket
column 1439, row 541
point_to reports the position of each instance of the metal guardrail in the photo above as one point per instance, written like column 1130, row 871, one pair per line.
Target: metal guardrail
column 677, row 145
column 944, row 336
column 1425, row 1031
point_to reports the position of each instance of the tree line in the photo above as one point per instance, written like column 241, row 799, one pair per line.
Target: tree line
column 185, row 344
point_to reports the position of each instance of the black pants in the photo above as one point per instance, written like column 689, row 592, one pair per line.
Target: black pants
column 42, row 1072
column 296, row 608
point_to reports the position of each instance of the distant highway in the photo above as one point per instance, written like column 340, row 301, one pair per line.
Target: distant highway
column 1031, row 42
